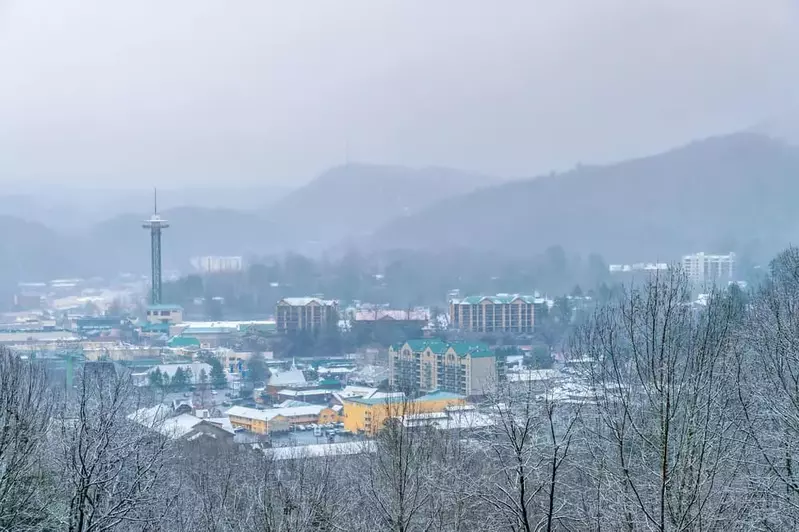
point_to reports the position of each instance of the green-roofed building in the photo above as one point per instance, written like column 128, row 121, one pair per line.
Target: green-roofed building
column 464, row 368
column 503, row 313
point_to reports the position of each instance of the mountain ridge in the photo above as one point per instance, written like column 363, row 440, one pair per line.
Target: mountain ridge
column 660, row 205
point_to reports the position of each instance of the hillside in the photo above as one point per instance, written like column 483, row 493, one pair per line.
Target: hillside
column 75, row 210
column 784, row 127
column 354, row 200
column 716, row 194
column 30, row 252
column 121, row 244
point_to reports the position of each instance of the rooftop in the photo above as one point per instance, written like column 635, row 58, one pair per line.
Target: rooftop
column 164, row 307
column 399, row 397
column 322, row 450
column 271, row 413
column 287, row 378
column 499, row 299
column 474, row 349
column 303, row 301
column 391, row 315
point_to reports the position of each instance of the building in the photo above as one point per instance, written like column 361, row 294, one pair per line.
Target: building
column 213, row 334
column 704, row 269
column 305, row 314
column 282, row 379
column 273, row 420
column 638, row 267
column 369, row 415
column 489, row 314
column 182, row 426
column 164, row 314
column 464, row 368
column 216, row 264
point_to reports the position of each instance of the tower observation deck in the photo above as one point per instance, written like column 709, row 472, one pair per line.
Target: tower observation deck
column 155, row 224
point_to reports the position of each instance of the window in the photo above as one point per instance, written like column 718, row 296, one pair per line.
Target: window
column 165, row 313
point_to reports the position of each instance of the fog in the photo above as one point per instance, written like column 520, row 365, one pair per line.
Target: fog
column 206, row 92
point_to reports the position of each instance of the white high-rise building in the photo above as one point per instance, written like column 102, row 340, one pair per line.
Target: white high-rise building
column 705, row 269
column 216, row 264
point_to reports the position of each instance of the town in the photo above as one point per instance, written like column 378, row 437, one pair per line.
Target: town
column 399, row 266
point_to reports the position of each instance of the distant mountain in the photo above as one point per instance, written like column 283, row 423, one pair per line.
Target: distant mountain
column 31, row 252
column 784, row 127
column 76, row 210
column 122, row 245
column 348, row 202
column 718, row 194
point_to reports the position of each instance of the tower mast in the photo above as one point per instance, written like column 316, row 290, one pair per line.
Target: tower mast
column 155, row 224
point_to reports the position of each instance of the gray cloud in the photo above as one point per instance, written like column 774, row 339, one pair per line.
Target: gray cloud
column 210, row 91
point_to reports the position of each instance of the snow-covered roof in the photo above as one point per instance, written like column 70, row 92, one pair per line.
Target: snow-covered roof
column 157, row 418
column 287, row 378
column 178, row 426
column 451, row 419
column 533, row 375
column 392, row 315
column 271, row 413
column 321, row 450
column 302, row 301
column 356, row 391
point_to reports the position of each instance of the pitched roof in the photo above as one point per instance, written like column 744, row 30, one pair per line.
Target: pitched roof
column 436, row 346
column 474, row 349
column 271, row 413
column 287, row 378
column 302, row 301
column 391, row 315
column 499, row 299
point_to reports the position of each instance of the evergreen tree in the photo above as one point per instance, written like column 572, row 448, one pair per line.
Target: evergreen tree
column 218, row 378
column 257, row 371
column 156, row 378
column 203, row 378
column 180, row 381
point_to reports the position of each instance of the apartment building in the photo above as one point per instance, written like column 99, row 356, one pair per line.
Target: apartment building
column 305, row 314
column 426, row 365
column 511, row 313
column 705, row 269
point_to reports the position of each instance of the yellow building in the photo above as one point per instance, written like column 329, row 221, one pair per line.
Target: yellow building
column 370, row 415
column 489, row 314
column 305, row 314
column 465, row 368
column 280, row 419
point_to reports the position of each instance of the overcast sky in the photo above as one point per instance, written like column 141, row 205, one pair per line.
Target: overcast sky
column 179, row 92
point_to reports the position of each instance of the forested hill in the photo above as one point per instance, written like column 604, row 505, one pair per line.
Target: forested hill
column 354, row 200
column 722, row 193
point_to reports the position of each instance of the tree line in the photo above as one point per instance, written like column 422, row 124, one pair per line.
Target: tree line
column 401, row 279
column 673, row 418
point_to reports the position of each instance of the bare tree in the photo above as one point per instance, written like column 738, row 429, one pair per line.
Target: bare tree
column 397, row 486
column 110, row 462
column 768, row 384
column 525, row 449
column 25, row 409
column 664, row 446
